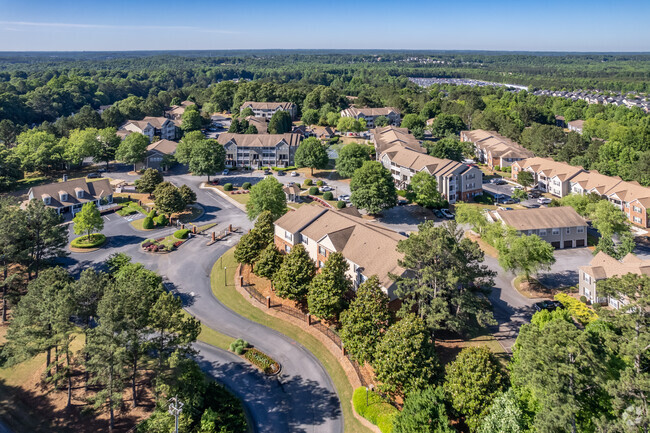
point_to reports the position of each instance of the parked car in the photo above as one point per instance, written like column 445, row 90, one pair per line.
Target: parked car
column 447, row 214
column 93, row 175
column 548, row 305
column 543, row 200
column 508, row 201
column 280, row 172
column 438, row 213
column 267, row 172
column 326, row 188
column 294, row 174
column 504, row 208
column 225, row 172
column 500, row 182
column 344, row 197
column 534, row 194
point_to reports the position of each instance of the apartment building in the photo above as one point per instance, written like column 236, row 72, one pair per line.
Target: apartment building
column 175, row 112
column 561, row 227
column 268, row 109
column 561, row 179
column 456, row 181
column 389, row 136
column 166, row 129
column 493, row 149
column 71, row 195
column 602, row 267
column 259, row 150
column 370, row 114
column 370, row 249
column 158, row 155
column 576, row 126
column 550, row 176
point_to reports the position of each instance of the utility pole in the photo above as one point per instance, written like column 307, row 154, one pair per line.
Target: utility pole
column 175, row 409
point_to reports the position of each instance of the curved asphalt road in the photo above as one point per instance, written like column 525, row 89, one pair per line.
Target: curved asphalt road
column 302, row 398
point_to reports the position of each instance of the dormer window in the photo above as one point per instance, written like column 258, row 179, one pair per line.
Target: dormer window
column 47, row 199
column 79, row 192
column 63, row 196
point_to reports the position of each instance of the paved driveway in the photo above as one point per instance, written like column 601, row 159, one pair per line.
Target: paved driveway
column 304, row 398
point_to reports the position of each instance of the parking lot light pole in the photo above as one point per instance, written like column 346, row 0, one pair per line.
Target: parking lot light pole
column 175, row 409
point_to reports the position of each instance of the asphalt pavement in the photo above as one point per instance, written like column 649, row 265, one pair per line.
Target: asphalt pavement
column 303, row 398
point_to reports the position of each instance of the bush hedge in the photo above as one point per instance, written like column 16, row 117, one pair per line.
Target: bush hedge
column 238, row 346
column 247, row 185
column 320, row 183
column 152, row 214
column 181, row 234
column 327, row 195
column 577, row 309
column 378, row 412
column 161, row 220
column 313, row 190
column 308, row 182
column 96, row 240
column 227, row 187
column 340, row 204
column 147, row 224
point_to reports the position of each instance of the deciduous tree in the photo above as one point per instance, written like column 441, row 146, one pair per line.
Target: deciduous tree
column 426, row 191
column 373, row 188
column 266, row 195
column 168, row 199
column 311, row 153
column 149, row 180
column 88, row 220
column 352, row 157
column 294, row 276
column 280, row 122
column 132, row 149
column 269, row 262
column 527, row 254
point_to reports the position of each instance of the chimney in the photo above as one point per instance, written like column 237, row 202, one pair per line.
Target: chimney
column 65, row 177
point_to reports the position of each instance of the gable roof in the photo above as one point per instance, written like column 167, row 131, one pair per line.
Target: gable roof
column 550, row 168
column 267, row 105
column 156, row 122
column 416, row 161
column 603, row 266
column 91, row 191
column 371, row 247
column 541, row 218
column 369, row 112
column 166, row 147
column 259, row 123
column 389, row 136
column 259, row 140
column 594, row 181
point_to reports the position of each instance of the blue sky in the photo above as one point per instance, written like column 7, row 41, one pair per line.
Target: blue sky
column 550, row 25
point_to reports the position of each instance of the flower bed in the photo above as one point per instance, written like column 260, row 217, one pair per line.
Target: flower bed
column 262, row 361
column 162, row 245
column 240, row 191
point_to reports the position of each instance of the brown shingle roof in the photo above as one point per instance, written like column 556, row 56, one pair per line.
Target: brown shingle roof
column 604, row 266
column 369, row 112
column 389, row 136
column 551, row 168
column 267, row 105
column 407, row 158
column 259, row 123
column 541, row 218
column 166, row 147
column 91, row 191
column 259, row 140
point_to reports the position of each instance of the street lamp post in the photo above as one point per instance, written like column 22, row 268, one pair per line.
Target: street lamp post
column 225, row 280
column 175, row 409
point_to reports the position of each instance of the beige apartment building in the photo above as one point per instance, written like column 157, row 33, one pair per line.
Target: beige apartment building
column 268, row 109
column 370, row 114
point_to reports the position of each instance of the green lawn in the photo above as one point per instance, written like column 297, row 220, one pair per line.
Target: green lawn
column 235, row 301
column 212, row 337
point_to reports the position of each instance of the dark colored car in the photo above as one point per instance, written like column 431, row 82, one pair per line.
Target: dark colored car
column 93, row 175
column 280, row 172
column 267, row 172
column 548, row 305
column 438, row 214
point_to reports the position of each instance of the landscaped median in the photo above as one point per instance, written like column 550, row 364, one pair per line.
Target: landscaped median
column 230, row 297
column 87, row 244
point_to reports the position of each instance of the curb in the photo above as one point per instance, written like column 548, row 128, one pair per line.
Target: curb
column 222, row 194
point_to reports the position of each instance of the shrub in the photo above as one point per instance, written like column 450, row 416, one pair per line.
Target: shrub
column 161, row 220
column 327, row 195
column 152, row 214
column 320, row 183
column 378, row 412
column 82, row 242
column 308, row 182
column 247, row 185
column 227, row 187
column 583, row 299
column 238, row 346
column 313, row 190
column 147, row 224
column 577, row 309
column 484, row 199
column 340, row 204
column 181, row 234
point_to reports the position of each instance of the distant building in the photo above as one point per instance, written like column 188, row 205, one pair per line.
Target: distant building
column 550, row 176
column 388, row 136
column 162, row 127
column 176, row 111
column 560, row 121
column 602, row 267
column 260, row 123
column 561, row 227
column 268, row 109
column 576, row 126
column 493, row 149
column 259, row 150
column 292, row 192
column 370, row 114
column 157, row 154
column 71, row 195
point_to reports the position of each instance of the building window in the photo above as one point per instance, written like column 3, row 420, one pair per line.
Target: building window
column 322, row 251
column 320, row 264
column 580, row 229
column 531, row 232
column 556, row 231
column 568, row 230
column 305, row 239
column 637, row 220
column 288, row 236
column 542, row 232
column 587, row 278
column 287, row 249
column 637, row 209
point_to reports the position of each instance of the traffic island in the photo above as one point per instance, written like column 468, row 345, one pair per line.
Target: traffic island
column 85, row 244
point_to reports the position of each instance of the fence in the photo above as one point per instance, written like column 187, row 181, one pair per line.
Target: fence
column 294, row 312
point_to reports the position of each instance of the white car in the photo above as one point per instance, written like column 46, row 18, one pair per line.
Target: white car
column 344, row 197
column 294, row 174
column 447, row 214
column 326, row 188
column 543, row 200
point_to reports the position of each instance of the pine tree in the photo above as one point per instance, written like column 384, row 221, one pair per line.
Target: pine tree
column 365, row 321
column 149, row 180
column 292, row 279
column 268, row 263
column 424, row 412
column 326, row 297
column 45, row 235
